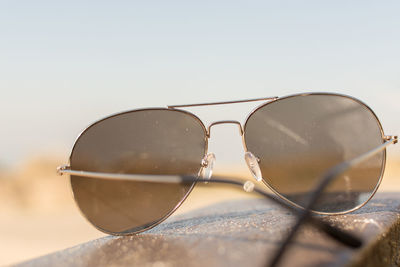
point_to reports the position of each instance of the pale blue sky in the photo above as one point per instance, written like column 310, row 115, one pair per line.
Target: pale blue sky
column 65, row 64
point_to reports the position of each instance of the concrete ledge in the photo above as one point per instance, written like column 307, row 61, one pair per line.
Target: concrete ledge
column 244, row 233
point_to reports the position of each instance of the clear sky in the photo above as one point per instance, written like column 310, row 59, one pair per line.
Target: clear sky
column 64, row 64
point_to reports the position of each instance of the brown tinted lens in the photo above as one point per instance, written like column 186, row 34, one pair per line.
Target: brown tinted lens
column 139, row 142
column 297, row 139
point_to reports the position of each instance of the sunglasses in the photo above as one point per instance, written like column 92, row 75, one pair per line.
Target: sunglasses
column 320, row 153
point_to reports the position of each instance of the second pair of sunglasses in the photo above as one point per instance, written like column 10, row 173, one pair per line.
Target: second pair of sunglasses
column 289, row 143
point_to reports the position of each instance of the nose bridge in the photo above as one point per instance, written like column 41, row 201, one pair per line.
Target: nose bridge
column 224, row 122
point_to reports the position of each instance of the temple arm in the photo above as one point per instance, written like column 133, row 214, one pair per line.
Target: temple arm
column 339, row 235
column 325, row 180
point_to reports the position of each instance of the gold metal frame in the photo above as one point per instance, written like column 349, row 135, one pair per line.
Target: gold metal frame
column 207, row 134
column 67, row 167
column 384, row 138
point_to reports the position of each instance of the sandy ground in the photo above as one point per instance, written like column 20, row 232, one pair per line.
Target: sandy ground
column 38, row 215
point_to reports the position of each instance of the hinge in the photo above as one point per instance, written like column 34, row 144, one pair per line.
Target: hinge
column 62, row 168
column 392, row 137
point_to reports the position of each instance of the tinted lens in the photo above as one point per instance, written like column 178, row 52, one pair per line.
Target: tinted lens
column 297, row 139
column 156, row 141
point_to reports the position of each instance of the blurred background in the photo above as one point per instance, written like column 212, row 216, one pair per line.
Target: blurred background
column 64, row 65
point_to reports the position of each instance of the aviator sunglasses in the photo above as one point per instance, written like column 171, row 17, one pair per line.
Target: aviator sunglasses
column 320, row 153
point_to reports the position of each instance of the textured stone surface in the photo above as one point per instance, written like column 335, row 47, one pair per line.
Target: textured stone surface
column 244, row 233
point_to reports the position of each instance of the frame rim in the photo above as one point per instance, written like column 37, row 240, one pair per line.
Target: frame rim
column 163, row 218
column 383, row 166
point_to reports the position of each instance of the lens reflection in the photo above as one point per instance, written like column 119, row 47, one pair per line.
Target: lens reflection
column 156, row 141
column 297, row 139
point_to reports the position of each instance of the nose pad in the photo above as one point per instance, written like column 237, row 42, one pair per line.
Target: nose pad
column 207, row 164
column 252, row 163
